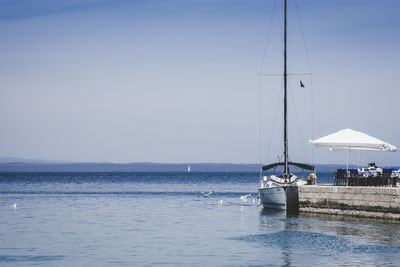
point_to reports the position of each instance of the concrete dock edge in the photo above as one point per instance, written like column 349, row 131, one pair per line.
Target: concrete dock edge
column 366, row 202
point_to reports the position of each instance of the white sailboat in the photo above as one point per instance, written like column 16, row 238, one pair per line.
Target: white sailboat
column 188, row 168
column 275, row 190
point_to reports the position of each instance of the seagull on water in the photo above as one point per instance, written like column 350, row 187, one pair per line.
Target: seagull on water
column 207, row 194
column 244, row 198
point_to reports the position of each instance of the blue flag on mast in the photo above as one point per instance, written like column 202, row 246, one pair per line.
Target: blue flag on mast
column 301, row 84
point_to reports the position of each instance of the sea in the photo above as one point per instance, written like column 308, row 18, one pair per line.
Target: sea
column 164, row 219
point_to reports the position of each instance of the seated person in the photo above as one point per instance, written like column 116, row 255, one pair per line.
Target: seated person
column 371, row 165
column 373, row 169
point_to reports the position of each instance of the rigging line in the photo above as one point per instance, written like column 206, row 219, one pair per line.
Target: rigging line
column 302, row 34
column 270, row 74
column 298, row 123
column 299, row 74
column 312, row 122
column 274, row 121
column 312, row 87
column 293, row 147
column 268, row 36
column 289, row 74
column 260, row 123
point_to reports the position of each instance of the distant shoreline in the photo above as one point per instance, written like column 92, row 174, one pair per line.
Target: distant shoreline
column 142, row 167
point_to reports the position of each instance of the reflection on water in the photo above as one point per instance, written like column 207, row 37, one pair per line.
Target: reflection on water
column 376, row 231
column 310, row 238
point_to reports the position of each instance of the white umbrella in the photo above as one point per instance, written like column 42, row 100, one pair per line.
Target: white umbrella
column 348, row 139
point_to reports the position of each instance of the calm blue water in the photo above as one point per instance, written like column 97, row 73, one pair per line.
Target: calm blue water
column 146, row 219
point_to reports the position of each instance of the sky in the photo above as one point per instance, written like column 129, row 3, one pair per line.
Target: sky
column 178, row 81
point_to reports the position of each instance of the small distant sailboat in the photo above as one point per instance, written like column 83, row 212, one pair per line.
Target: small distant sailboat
column 188, row 169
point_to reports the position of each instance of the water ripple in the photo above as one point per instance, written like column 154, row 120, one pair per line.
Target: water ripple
column 318, row 242
column 16, row 258
column 322, row 243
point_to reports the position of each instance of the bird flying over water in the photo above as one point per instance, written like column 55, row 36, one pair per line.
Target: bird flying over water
column 207, row 194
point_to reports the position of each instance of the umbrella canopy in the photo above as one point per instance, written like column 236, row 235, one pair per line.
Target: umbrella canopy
column 348, row 139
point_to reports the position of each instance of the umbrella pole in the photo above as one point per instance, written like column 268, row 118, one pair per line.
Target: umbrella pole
column 347, row 165
column 362, row 159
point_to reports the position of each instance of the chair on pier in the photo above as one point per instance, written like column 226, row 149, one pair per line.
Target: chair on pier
column 354, row 179
column 362, row 181
column 340, row 177
column 395, row 175
column 387, row 177
column 369, row 180
column 377, row 180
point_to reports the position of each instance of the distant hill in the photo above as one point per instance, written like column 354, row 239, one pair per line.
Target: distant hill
column 43, row 166
column 15, row 159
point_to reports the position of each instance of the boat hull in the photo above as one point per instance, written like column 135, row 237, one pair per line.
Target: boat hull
column 273, row 197
column 285, row 197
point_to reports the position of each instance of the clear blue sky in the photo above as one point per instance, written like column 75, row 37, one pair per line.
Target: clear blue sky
column 177, row 81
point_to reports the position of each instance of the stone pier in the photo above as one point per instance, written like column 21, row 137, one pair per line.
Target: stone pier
column 369, row 202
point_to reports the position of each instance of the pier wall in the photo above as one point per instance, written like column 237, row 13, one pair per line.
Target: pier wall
column 370, row 202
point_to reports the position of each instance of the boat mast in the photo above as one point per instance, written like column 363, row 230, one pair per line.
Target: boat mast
column 286, row 171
